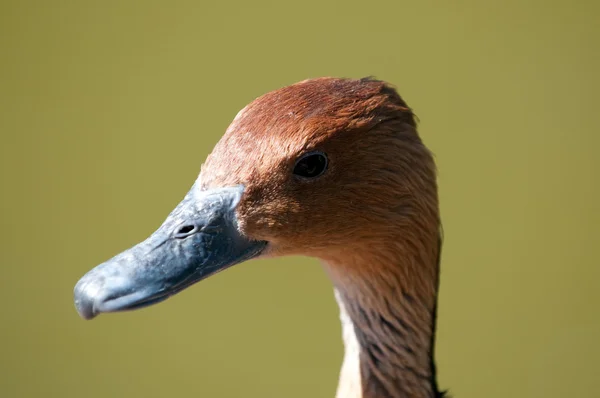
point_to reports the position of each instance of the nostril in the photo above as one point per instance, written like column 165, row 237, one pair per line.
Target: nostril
column 185, row 231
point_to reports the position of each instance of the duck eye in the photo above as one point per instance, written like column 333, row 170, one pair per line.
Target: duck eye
column 311, row 165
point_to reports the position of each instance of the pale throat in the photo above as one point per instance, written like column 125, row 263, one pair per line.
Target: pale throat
column 350, row 385
column 388, row 324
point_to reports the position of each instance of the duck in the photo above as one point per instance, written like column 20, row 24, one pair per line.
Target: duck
column 330, row 168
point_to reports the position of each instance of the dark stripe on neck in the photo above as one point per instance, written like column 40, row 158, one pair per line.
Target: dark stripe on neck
column 392, row 361
column 434, row 383
column 396, row 335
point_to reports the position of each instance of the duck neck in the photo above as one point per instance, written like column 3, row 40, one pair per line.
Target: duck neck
column 387, row 310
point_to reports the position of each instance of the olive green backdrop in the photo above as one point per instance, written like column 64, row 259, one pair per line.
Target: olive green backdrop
column 107, row 110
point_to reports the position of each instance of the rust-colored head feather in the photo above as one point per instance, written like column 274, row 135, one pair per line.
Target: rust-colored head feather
column 380, row 181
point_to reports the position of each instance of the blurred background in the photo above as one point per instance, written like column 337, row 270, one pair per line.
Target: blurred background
column 108, row 109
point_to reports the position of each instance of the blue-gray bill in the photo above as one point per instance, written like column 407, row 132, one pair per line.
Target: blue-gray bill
column 199, row 238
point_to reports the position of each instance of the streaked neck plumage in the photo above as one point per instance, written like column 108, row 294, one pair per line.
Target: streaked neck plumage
column 388, row 329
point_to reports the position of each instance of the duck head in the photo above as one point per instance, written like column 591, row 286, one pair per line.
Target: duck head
column 328, row 168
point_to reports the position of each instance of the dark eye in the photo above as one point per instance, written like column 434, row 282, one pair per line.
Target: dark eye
column 311, row 165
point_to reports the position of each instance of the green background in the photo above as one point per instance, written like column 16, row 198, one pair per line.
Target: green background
column 108, row 108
